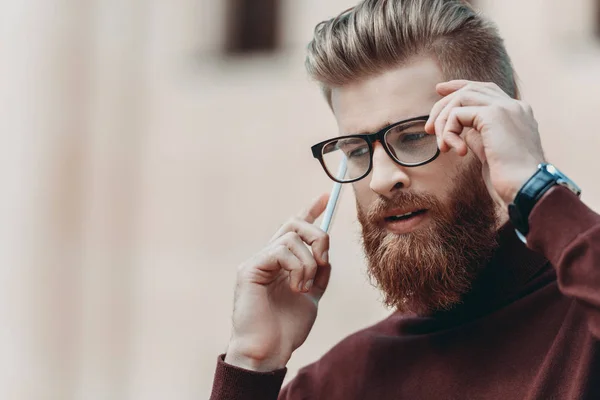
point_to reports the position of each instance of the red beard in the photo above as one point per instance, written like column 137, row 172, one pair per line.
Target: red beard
column 430, row 269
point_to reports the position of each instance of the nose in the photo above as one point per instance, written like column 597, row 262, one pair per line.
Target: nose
column 387, row 177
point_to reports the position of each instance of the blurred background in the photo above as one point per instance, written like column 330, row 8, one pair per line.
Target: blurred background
column 151, row 146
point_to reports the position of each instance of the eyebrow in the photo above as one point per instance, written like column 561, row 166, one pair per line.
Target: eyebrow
column 379, row 128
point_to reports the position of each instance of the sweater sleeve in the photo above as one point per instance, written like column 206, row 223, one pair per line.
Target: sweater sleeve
column 233, row 383
column 567, row 233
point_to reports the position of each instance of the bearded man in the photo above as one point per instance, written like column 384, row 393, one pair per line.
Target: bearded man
column 486, row 253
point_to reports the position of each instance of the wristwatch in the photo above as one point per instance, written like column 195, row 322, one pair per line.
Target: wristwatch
column 546, row 177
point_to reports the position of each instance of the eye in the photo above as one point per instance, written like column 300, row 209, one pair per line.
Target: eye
column 359, row 152
column 353, row 147
column 412, row 137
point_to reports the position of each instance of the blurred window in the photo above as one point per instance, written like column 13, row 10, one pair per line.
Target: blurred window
column 252, row 26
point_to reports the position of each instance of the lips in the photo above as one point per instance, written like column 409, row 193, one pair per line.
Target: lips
column 404, row 221
column 404, row 216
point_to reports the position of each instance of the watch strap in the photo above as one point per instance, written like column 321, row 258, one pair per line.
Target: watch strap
column 539, row 183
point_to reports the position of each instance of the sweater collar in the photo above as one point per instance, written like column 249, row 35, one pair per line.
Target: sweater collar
column 503, row 279
column 510, row 268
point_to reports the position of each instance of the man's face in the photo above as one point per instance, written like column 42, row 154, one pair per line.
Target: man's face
column 424, row 261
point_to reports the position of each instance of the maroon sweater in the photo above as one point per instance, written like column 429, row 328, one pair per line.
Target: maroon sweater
column 529, row 329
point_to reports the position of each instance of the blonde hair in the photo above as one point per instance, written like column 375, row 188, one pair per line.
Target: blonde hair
column 380, row 34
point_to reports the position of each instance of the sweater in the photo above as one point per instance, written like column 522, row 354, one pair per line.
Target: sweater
column 528, row 329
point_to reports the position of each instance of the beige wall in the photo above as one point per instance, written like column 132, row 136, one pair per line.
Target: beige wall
column 140, row 167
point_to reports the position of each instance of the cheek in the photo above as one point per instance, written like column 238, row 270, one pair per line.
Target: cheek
column 450, row 173
column 363, row 193
column 439, row 177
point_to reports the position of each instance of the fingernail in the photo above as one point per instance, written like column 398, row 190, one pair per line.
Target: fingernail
column 308, row 285
column 326, row 256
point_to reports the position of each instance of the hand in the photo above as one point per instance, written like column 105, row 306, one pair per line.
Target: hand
column 501, row 131
column 277, row 294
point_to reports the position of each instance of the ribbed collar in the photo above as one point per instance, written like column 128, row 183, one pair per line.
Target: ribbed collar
column 511, row 267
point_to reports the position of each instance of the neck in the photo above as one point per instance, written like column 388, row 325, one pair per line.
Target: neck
column 501, row 216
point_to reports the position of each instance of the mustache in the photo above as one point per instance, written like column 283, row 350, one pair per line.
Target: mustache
column 382, row 205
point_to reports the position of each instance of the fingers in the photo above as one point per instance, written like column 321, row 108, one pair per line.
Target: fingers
column 311, row 214
column 445, row 88
column 453, row 99
column 458, row 94
column 463, row 93
column 450, row 138
column 458, row 119
column 303, row 281
column 309, row 233
column 307, row 270
column 287, row 260
column 291, row 254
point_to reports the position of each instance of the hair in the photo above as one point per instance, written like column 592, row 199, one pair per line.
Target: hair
column 376, row 35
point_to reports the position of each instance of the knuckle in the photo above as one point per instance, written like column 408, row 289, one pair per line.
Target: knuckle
column 466, row 94
column 470, row 86
column 290, row 236
column 323, row 237
column 287, row 225
column 246, row 269
column 291, row 223
column 310, row 265
column 281, row 248
column 279, row 251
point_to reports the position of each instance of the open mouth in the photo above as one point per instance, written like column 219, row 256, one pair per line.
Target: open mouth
column 404, row 217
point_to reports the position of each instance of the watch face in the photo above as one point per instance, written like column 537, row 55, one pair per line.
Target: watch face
column 552, row 169
column 562, row 179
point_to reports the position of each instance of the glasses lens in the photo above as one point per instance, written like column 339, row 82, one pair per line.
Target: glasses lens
column 410, row 144
column 349, row 154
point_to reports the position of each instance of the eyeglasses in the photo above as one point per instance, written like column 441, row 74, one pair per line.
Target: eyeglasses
column 347, row 159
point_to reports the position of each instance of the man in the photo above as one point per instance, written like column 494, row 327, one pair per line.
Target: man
column 487, row 254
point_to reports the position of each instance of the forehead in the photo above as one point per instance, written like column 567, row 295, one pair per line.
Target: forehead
column 399, row 93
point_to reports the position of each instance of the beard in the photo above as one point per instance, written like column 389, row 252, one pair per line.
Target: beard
column 432, row 268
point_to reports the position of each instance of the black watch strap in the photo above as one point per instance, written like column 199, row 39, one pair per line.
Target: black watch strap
column 544, row 178
column 527, row 197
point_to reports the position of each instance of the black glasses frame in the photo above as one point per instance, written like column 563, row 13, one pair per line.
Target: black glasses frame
column 370, row 138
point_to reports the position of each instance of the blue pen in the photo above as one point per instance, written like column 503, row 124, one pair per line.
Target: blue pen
column 333, row 198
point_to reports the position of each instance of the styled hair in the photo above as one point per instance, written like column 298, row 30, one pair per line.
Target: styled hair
column 376, row 35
